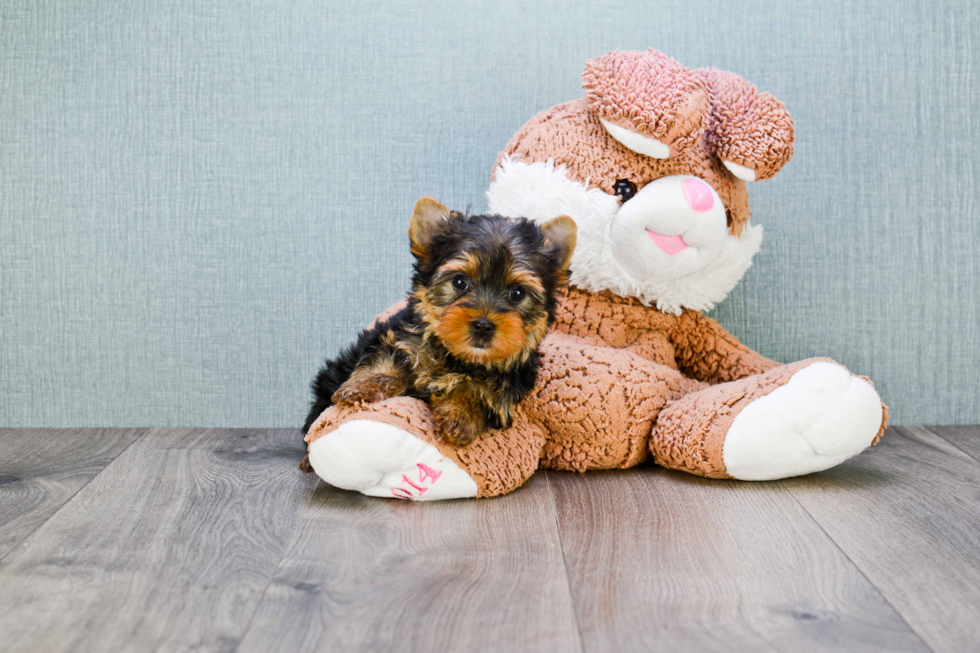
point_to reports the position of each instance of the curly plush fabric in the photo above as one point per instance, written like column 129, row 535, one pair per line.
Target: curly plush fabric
column 648, row 93
column 598, row 404
column 749, row 128
column 696, row 345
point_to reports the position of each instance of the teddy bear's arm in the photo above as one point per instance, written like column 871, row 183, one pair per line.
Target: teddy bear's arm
column 388, row 312
column 707, row 352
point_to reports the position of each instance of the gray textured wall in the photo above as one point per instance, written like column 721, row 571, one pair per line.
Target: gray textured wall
column 200, row 200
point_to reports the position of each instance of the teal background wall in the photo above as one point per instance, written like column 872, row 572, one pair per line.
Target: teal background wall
column 199, row 200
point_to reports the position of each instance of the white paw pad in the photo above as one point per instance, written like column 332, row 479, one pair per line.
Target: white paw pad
column 381, row 460
column 821, row 417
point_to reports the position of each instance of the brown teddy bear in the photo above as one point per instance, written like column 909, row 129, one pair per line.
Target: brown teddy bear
column 652, row 165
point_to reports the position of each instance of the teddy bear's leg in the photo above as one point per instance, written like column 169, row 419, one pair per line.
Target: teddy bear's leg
column 389, row 449
column 597, row 404
column 793, row 420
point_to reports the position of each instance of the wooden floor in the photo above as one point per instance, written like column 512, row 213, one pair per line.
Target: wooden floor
column 211, row 540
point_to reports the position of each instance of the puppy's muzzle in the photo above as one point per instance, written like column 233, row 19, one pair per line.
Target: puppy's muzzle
column 482, row 331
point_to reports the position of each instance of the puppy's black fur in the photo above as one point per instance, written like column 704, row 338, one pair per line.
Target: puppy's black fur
column 334, row 372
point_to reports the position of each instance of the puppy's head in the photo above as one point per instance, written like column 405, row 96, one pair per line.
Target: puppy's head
column 485, row 285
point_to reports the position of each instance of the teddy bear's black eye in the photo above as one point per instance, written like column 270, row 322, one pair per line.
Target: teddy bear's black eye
column 517, row 294
column 625, row 189
column 460, row 283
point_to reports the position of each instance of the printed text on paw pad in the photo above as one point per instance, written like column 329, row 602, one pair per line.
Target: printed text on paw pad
column 408, row 489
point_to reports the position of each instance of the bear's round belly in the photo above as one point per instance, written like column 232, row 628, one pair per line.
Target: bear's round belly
column 596, row 405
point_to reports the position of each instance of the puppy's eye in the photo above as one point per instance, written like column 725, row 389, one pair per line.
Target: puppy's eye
column 517, row 294
column 625, row 189
column 460, row 283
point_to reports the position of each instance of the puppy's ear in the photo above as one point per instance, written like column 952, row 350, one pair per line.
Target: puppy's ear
column 561, row 233
column 428, row 217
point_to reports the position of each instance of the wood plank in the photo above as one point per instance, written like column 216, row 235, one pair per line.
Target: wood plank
column 367, row 574
column 41, row 469
column 168, row 549
column 906, row 513
column 663, row 560
column 933, row 440
column 964, row 438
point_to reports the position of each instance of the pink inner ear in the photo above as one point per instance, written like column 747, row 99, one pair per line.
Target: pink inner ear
column 698, row 195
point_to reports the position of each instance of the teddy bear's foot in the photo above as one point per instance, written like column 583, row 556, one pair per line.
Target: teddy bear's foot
column 820, row 418
column 794, row 420
column 383, row 460
column 390, row 449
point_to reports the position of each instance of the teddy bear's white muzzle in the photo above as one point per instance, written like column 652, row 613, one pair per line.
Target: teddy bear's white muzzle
column 672, row 227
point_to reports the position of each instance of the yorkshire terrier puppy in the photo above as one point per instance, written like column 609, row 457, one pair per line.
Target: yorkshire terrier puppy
column 482, row 298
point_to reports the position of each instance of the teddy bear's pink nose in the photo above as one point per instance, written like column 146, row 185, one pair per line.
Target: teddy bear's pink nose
column 698, row 195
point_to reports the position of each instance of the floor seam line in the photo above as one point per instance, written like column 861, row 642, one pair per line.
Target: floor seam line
column 950, row 443
column 275, row 567
column 74, row 494
column 856, row 567
column 564, row 561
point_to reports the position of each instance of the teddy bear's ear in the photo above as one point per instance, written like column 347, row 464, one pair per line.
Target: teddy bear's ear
column 647, row 101
column 751, row 132
column 562, row 233
column 426, row 221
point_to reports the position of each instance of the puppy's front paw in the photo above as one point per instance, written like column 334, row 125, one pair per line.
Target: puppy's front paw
column 456, row 427
column 352, row 393
column 305, row 466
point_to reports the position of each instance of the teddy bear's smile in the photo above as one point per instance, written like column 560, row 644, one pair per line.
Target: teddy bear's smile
column 700, row 198
column 670, row 244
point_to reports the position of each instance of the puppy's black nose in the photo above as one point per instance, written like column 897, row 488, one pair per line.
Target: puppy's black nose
column 483, row 328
